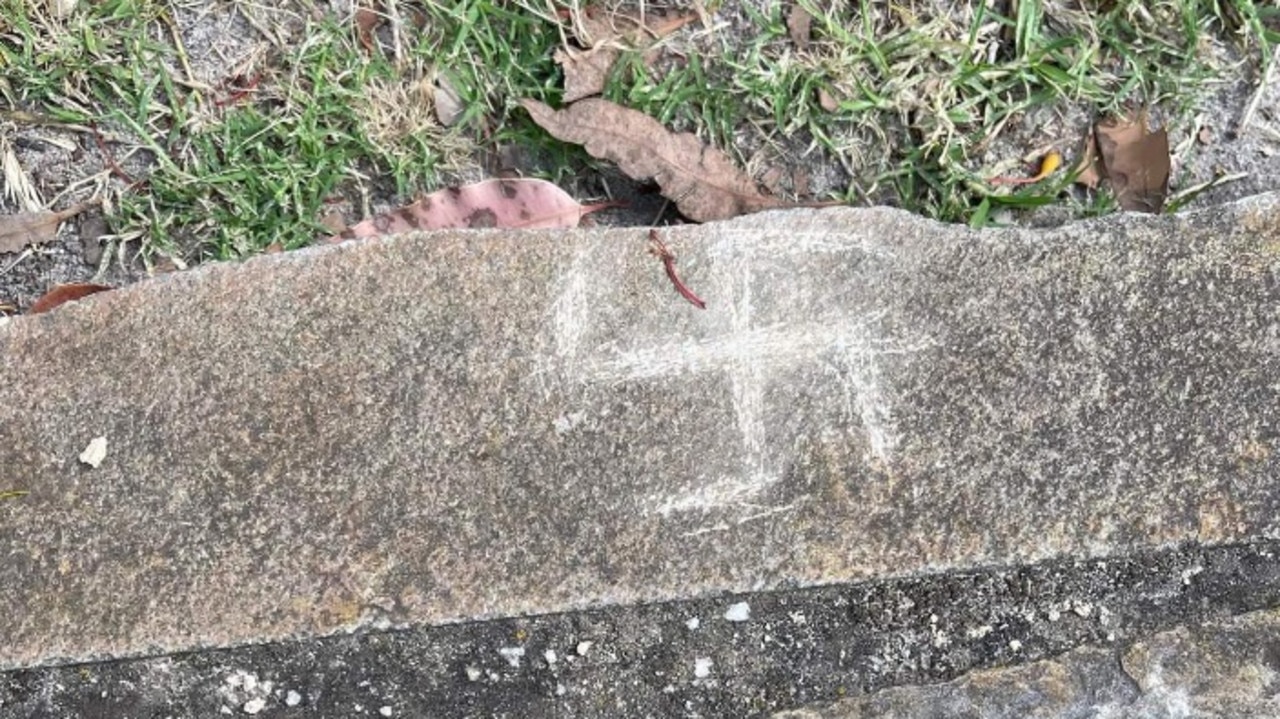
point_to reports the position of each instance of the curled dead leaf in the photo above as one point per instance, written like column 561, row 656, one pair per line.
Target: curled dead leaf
column 585, row 71
column 366, row 21
column 516, row 203
column 62, row 294
column 597, row 25
column 603, row 35
column 799, row 22
column 1136, row 161
column 702, row 181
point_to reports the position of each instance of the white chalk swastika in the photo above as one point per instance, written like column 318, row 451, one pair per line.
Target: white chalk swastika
column 849, row 346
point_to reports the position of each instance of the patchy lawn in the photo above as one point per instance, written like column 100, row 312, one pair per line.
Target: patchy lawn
column 212, row 131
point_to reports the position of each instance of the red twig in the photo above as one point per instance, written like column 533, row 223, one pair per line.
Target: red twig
column 658, row 248
column 242, row 88
column 108, row 159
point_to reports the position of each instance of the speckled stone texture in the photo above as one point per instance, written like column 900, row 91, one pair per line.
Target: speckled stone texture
column 1222, row 669
column 466, row 425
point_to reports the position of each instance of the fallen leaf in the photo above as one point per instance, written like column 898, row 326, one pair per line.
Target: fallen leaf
column 1048, row 164
column 798, row 26
column 1089, row 170
column 1205, row 135
column 95, row 452
column 367, row 20
column 1136, row 162
column 827, row 101
column 519, row 204
column 62, row 294
column 585, row 72
column 604, row 35
column 447, row 102
column 31, row 228
column 331, row 221
column 702, row 181
column 92, row 229
column 595, row 26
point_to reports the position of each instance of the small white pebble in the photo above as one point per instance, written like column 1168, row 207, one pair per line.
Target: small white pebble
column 513, row 655
column 979, row 632
column 224, row 709
column 95, row 452
column 702, row 667
column 250, row 682
column 1054, row 615
column 234, row 679
column 385, row 711
column 550, row 656
column 1084, row 609
column 560, row 690
column 799, row 619
column 693, row 623
column 1015, row 645
column 292, row 699
column 473, row 673
column 583, row 648
column 739, row 612
column 253, row 706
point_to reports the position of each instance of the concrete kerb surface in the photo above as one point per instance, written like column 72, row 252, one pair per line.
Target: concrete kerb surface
column 470, row 425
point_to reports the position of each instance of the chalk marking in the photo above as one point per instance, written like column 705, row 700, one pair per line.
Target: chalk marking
column 724, row 527
column 733, row 490
column 570, row 308
column 747, row 354
column 791, row 244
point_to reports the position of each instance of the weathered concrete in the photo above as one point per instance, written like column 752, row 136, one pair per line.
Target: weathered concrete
column 486, row 424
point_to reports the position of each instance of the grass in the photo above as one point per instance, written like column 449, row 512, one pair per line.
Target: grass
column 916, row 96
column 911, row 101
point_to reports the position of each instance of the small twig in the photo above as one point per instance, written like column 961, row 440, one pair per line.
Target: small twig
column 241, row 88
column 659, row 249
column 108, row 158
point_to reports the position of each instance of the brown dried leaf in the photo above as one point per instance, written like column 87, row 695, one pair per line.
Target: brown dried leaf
column 367, row 20
column 31, row 228
column 519, row 204
column 827, row 101
column 596, row 25
column 702, row 181
column 447, row 101
column 1089, row 170
column 1136, row 162
column 585, row 72
column 798, row 26
column 62, row 294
